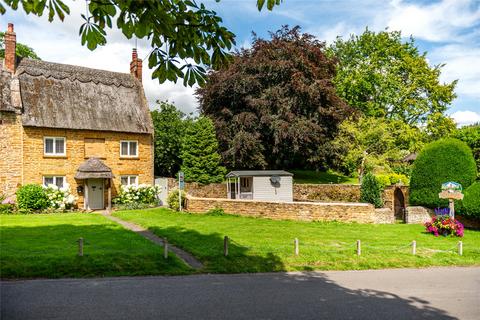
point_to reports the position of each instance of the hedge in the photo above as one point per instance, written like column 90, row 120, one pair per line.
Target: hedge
column 439, row 162
column 471, row 200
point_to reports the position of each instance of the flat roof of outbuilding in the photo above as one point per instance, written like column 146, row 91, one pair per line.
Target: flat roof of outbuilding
column 258, row 173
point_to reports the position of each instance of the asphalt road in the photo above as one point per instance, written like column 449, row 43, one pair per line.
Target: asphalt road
column 438, row 293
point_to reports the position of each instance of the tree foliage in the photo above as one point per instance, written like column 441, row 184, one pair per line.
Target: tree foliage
column 200, row 158
column 370, row 191
column 439, row 162
column 169, row 126
column 185, row 36
column 471, row 136
column 275, row 105
column 384, row 77
column 372, row 144
column 21, row 50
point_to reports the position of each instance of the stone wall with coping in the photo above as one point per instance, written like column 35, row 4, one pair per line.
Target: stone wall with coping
column 302, row 211
column 418, row 215
column 213, row 190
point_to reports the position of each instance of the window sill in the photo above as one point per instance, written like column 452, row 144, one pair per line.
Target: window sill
column 48, row 156
column 129, row 158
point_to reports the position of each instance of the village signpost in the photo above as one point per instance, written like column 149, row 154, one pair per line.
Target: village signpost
column 451, row 191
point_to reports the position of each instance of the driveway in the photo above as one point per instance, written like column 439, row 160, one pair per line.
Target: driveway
column 437, row 293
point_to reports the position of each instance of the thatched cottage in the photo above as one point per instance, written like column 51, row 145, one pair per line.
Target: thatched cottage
column 64, row 124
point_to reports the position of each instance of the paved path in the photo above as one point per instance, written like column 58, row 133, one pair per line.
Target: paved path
column 185, row 256
column 439, row 293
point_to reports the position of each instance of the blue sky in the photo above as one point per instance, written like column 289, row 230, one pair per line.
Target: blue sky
column 449, row 30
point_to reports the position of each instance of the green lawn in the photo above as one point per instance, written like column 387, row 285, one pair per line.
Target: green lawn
column 45, row 246
column 320, row 177
column 260, row 245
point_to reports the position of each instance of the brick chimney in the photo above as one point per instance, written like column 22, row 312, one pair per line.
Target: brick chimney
column 10, row 47
column 136, row 66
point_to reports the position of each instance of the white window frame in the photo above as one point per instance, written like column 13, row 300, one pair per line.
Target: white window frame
column 128, row 149
column 129, row 180
column 55, row 153
column 55, row 178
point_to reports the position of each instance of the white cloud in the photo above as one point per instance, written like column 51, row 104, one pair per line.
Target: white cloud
column 439, row 21
column 463, row 118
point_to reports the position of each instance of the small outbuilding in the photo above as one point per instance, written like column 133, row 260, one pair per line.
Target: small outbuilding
column 273, row 185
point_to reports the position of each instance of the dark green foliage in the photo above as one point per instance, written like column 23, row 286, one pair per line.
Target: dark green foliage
column 200, row 158
column 32, row 197
column 169, row 124
column 471, row 136
column 439, row 162
column 370, row 191
column 174, row 202
column 184, row 35
column 275, row 106
column 471, row 201
column 22, row 50
column 6, row 208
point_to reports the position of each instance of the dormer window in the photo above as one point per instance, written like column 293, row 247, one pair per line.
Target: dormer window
column 129, row 149
column 54, row 146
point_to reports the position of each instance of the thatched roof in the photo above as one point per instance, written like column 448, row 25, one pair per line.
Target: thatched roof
column 71, row 97
column 5, row 98
column 93, row 168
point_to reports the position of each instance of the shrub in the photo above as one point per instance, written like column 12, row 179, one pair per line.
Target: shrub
column 386, row 180
column 471, row 200
column 370, row 191
column 143, row 193
column 7, row 206
column 60, row 198
column 173, row 201
column 135, row 206
column 32, row 197
column 440, row 161
column 444, row 225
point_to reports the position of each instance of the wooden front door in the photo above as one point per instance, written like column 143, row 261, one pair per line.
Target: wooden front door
column 95, row 194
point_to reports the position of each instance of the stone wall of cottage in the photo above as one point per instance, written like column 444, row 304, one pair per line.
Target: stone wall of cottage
column 36, row 164
column 302, row 211
column 10, row 153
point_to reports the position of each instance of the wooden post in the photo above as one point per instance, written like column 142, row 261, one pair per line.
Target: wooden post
column 414, row 247
column 80, row 247
column 460, row 248
column 451, row 206
column 165, row 248
column 225, row 246
column 359, row 248
column 295, row 243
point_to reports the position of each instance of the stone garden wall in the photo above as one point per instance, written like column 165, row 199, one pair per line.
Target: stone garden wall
column 303, row 211
column 418, row 215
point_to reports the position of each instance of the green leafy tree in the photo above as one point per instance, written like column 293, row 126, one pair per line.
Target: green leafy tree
column 169, row 125
column 184, row 36
column 439, row 126
column 200, row 158
column 471, row 201
column 372, row 144
column 471, row 136
column 22, row 50
column 382, row 76
column 439, row 162
column 275, row 105
column 370, row 191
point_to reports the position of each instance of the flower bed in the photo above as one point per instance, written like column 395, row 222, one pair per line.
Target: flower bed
column 443, row 224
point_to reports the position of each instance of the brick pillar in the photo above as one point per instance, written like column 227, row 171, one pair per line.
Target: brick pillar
column 136, row 66
column 10, row 47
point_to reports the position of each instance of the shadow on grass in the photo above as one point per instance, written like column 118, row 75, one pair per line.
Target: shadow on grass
column 52, row 252
column 208, row 248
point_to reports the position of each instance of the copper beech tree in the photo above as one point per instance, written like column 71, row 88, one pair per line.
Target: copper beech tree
column 275, row 105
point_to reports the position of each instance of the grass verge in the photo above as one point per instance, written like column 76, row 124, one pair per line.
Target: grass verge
column 45, row 245
column 262, row 245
